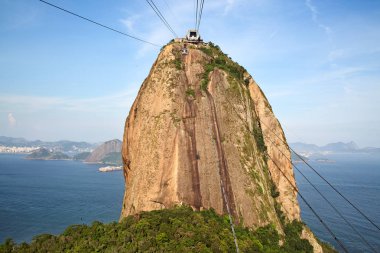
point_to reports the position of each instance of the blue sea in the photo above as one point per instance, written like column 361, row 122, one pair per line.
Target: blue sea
column 39, row 196
column 356, row 176
column 47, row 196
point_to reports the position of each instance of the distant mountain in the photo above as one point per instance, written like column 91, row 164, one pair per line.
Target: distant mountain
column 45, row 154
column 341, row 147
column 304, row 147
column 337, row 147
column 9, row 141
column 61, row 146
column 113, row 158
column 109, row 152
column 371, row 150
column 297, row 159
column 81, row 156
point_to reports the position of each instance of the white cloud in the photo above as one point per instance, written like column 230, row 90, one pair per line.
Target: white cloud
column 229, row 5
column 160, row 36
column 331, row 77
column 130, row 22
column 273, row 34
column 336, row 54
column 315, row 13
column 181, row 17
column 313, row 9
column 11, row 120
column 121, row 100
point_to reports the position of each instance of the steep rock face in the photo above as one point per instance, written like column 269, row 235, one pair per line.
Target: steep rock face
column 101, row 152
column 195, row 135
column 279, row 155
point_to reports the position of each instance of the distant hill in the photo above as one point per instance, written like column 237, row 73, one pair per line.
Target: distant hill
column 297, row 159
column 45, row 154
column 109, row 152
column 341, row 147
column 371, row 150
column 337, row 147
column 113, row 158
column 81, row 156
column 9, row 141
column 304, row 147
column 61, row 146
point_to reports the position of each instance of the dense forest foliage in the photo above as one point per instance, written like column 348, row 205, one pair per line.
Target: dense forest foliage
column 170, row 230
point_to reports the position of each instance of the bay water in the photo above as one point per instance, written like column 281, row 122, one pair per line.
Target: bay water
column 357, row 177
column 38, row 196
column 47, row 196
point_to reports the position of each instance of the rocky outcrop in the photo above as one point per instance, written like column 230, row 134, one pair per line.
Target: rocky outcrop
column 101, row 152
column 202, row 133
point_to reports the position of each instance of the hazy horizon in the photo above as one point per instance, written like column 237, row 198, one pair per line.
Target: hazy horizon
column 316, row 61
column 101, row 141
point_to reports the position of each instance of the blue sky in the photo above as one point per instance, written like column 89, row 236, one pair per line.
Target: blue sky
column 318, row 62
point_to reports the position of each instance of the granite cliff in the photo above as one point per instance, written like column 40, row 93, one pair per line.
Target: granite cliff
column 202, row 133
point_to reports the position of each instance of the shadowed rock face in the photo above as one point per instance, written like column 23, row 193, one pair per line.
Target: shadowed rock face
column 195, row 131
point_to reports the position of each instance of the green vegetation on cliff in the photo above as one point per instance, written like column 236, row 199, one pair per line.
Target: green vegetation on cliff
column 170, row 230
column 222, row 61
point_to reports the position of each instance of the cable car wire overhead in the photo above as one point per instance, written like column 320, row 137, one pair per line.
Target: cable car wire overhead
column 324, row 179
column 99, row 24
column 161, row 16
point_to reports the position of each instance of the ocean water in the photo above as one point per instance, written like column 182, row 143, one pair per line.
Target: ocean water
column 47, row 196
column 356, row 176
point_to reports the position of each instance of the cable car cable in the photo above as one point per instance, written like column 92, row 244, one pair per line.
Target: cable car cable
column 164, row 19
column 324, row 179
column 335, row 209
column 312, row 209
column 99, row 24
column 296, row 189
column 159, row 14
column 196, row 16
column 320, row 193
column 170, row 9
column 200, row 14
